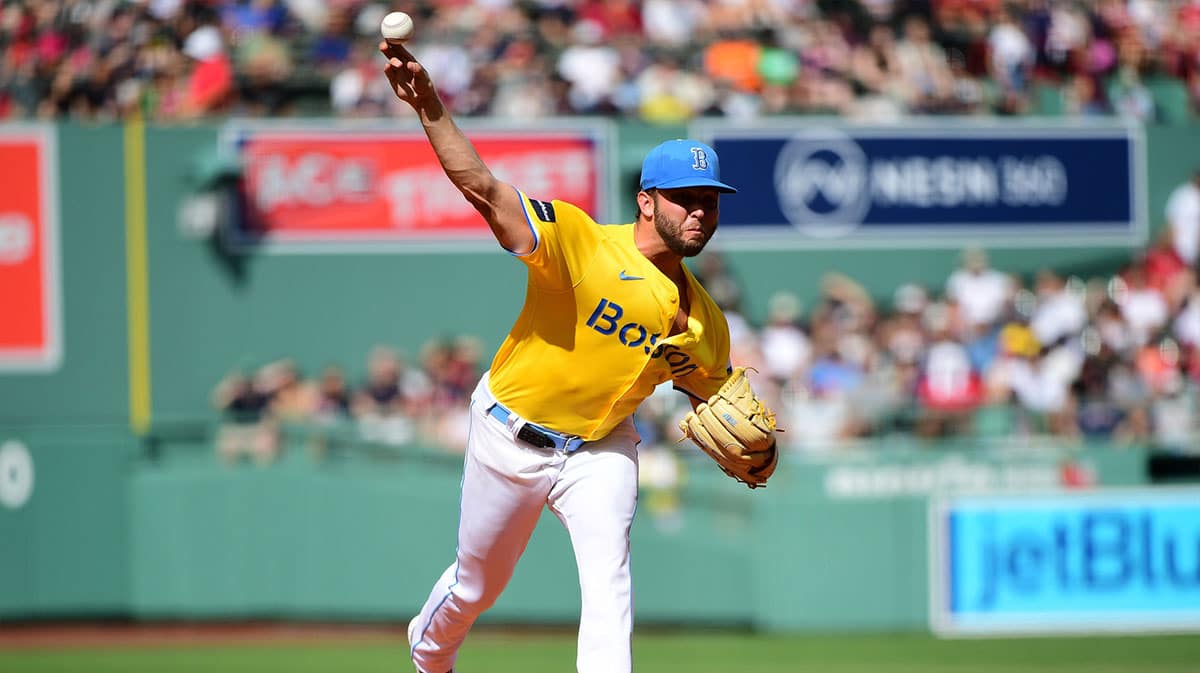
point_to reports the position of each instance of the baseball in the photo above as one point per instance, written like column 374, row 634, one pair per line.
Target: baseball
column 396, row 27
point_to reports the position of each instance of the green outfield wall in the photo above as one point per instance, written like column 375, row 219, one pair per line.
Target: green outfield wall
column 65, row 543
column 160, row 529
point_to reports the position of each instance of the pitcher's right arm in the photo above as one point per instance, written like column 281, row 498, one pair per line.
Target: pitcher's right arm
column 498, row 201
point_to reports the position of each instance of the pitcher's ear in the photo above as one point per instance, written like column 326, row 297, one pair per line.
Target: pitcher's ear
column 645, row 200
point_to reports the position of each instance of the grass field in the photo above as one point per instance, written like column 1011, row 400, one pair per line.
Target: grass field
column 718, row 652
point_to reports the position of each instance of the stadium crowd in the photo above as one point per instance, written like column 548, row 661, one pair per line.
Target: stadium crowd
column 657, row 60
column 396, row 403
column 990, row 358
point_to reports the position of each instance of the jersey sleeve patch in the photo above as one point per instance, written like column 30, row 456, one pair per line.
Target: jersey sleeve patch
column 543, row 209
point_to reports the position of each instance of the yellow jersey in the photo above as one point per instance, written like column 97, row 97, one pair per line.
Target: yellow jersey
column 592, row 340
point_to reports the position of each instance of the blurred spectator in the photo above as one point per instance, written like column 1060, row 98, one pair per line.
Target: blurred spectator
column 246, row 427
column 1131, row 98
column 673, row 23
column 210, row 80
column 357, row 90
column 821, row 415
column 381, row 407
column 785, row 346
column 1142, row 306
column 449, row 372
column 666, row 93
column 982, row 293
column 928, row 85
column 721, row 282
column 902, row 334
column 333, row 395
column 1011, row 55
column 1186, row 326
column 1067, row 34
column 450, row 368
column 877, row 74
column 826, row 60
column 291, row 400
column 1183, row 219
column 734, row 59
column 382, row 395
column 264, row 66
column 1113, row 332
column 591, row 67
column 844, row 303
column 245, row 17
column 1085, row 97
column 333, row 43
column 1098, row 415
column 1042, row 385
column 949, row 388
column 1059, row 313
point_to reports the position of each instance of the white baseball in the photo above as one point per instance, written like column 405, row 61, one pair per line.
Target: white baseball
column 397, row 27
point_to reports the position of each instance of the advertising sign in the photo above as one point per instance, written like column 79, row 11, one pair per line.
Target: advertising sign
column 1119, row 561
column 324, row 189
column 924, row 183
column 30, row 338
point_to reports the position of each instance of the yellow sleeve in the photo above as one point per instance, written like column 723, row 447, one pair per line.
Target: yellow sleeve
column 701, row 385
column 562, row 241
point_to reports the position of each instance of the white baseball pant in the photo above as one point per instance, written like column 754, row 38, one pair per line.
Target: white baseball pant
column 506, row 482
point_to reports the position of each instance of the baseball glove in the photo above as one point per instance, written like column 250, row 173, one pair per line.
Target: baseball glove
column 736, row 430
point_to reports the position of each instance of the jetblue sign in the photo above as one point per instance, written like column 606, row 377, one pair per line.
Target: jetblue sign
column 1118, row 561
column 1017, row 183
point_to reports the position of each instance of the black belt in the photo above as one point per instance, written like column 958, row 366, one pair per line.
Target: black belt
column 537, row 435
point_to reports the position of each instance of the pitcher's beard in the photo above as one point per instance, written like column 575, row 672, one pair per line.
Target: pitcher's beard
column 672, row 235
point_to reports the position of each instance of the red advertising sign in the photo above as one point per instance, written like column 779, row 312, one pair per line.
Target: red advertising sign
column 29, row 321
column 356, row 187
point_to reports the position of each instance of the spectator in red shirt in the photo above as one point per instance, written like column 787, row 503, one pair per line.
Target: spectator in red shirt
column 211, row 80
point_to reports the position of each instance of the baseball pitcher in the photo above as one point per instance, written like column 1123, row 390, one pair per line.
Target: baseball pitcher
column 610, row 312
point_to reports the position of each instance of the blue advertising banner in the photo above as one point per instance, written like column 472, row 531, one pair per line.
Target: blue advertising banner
column 1105, row 561
column 919, row 183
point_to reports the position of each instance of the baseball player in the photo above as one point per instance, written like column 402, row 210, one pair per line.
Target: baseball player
column 610, row 313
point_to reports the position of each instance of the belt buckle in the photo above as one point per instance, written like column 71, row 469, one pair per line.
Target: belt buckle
column 530, row 434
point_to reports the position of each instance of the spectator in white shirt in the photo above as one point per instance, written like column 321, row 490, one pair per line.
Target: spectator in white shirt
column 1186, row 327
column 981, row 292
column 1183, row 219
column 786, row 348
column 1010, row 52
column 591, row 66
column 1142, row 306
column 1060, row 313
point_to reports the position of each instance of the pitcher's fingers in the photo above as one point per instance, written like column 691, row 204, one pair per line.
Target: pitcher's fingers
column 409, row 68
column 399, row 50
column 395, row 50
column 385, row 48
column 403, row 69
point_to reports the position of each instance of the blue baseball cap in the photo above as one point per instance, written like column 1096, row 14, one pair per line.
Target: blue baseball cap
column 683, row 163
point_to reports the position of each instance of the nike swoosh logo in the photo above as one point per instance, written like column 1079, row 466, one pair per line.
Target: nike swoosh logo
column 626, row 277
